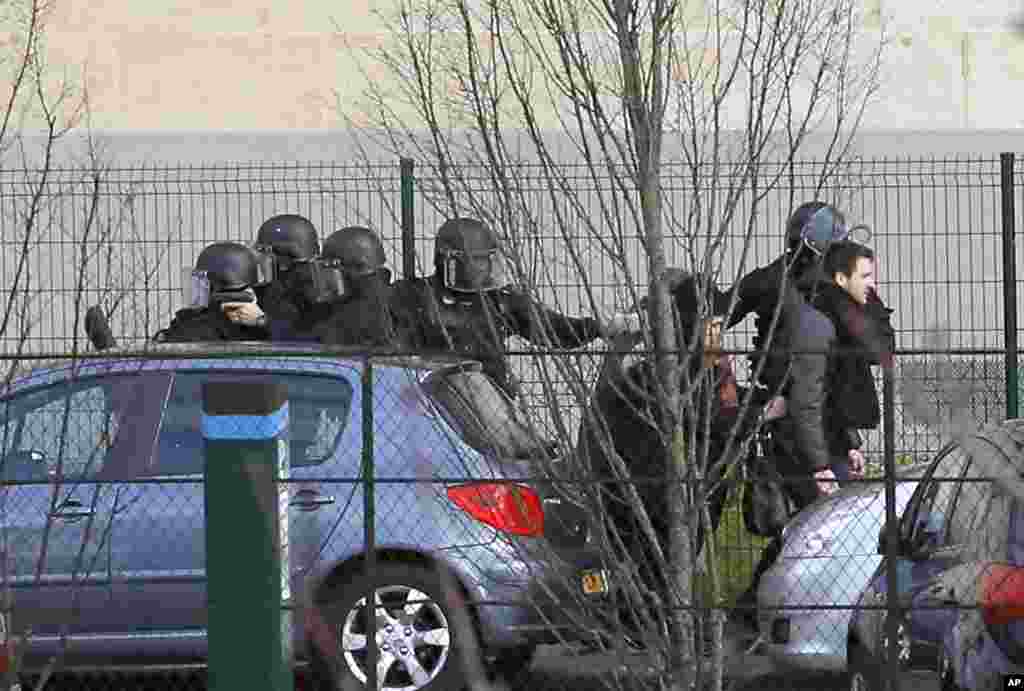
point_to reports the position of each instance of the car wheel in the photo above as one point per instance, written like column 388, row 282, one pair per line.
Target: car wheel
column 510, row 664
column 417, row 639
column 865, row 672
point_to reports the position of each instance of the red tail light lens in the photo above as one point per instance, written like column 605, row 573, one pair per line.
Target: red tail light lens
column 1001, row 593
column 507, row 507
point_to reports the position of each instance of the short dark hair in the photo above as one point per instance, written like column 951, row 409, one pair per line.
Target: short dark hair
column 842, row 257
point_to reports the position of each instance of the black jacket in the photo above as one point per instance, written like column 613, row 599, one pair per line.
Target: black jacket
column 477, row 325
column 361, row 319
column 864, row 337
column 758, row 292
column 861, row 341
column 209, row 324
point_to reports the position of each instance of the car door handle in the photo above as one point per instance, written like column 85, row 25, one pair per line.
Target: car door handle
column 72, row 510
column 310, row 500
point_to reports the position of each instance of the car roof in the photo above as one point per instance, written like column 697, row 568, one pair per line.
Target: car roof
column 229, row 355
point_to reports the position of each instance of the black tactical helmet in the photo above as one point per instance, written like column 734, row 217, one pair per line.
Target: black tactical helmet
column 358, row 250
column 289, row 236
column 467, row 256
column 229, row 266
column 815, row 225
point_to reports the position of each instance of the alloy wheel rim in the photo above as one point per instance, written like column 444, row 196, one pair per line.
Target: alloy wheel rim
column 413, row 639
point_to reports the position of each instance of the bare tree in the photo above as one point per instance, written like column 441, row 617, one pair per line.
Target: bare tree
column 624, row 131
column 60, row 255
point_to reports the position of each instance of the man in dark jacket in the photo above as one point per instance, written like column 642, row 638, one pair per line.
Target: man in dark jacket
column 288, row 245
column 465, row 306
column 222, row 302
column 863, row 339
column 361, row 315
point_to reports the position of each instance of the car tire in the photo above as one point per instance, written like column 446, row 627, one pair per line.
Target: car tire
column 865, row 674
column 510, row 664
column 425, row 635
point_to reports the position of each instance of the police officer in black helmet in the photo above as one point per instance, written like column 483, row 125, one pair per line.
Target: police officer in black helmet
column 360, row 315
column 466, row 307
column 288, row 245
column 222, row 303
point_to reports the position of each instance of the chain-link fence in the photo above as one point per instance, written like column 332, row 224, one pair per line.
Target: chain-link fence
column 944, row 232
column 195, row 503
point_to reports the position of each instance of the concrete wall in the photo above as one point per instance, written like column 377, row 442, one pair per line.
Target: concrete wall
column 268, row 65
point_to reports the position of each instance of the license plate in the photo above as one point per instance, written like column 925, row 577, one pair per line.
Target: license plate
column 594, row 582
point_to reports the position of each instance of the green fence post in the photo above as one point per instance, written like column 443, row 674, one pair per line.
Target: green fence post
column 408, row 220
column 245, row 428
column 1006, row 184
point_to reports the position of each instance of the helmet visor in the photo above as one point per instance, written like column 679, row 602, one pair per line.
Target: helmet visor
column 281, row 258
column 822, row 229
column 474, row 272
column 266, row 268
column 320, row 280
column 196, row 289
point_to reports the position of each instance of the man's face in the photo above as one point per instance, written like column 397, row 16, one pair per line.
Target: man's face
column 859, row 283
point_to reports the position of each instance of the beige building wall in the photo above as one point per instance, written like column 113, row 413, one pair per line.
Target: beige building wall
column 270, row 65
column 213, row 65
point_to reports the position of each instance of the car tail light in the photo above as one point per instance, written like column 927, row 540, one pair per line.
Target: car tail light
column 1001, row 593
column 509, row 508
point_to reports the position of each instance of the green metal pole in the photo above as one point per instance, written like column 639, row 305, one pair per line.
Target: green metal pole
column 408, row 220
column 1007, row 187
column 369, row 522
column 245, row 427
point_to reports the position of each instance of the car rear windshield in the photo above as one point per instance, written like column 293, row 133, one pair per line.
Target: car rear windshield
column 484, row 415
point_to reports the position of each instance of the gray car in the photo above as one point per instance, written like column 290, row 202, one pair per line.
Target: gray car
column 828, row 556
column 103, row 513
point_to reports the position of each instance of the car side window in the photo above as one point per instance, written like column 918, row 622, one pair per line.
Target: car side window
column 81, row 430
column 318, row 411
column 931, row 517
column 972, row 510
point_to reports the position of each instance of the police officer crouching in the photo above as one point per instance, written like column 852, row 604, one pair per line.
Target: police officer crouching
column 465, row 306
column 360, row 314
column 222, row 300
column 288, row 245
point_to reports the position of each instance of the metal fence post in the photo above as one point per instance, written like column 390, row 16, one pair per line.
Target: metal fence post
column 891, row 661
column 369, row 523
column 408, row 220
column 1006, row 184
column 245, row 428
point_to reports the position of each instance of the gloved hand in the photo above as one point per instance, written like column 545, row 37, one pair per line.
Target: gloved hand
column 620, row 323
column 245, row 313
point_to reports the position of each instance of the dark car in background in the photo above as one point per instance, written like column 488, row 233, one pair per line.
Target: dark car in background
column 103, row 513
column 960, row 572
